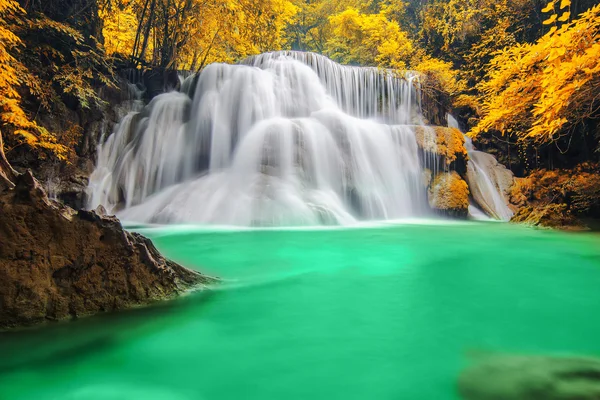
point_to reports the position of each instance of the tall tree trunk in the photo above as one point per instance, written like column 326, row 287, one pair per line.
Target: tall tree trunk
column 134, row 54
column 165, row 51
column 202, row 64
column 147, row 33
column 7, row 174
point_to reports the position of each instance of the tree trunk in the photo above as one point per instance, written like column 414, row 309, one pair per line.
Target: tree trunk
column 7, row 174
column 134, row 52
column 147, row 33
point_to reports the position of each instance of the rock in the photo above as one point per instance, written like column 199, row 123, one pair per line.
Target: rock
column 435, row 101
column 158, row 81
column 445, row 159
column 70, row 190
column 563, row 198
column 449, row 195
column 57, row 263
column 531, row 378
column 448, row 144
column 493, row 200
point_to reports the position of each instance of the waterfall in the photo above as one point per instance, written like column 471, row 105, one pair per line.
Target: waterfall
column 487, row 181
column 365, row 92
column 283, row 138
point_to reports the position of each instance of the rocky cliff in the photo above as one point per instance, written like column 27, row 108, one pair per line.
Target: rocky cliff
column 58, row 263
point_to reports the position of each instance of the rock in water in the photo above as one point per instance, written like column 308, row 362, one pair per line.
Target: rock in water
column 446, row 144
column 449, row 195
column 57, row 263
column 532, row 378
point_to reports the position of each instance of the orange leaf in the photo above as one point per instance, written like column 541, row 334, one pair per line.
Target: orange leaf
column 565, row 3
column 550, row 20
column 549, row 7
column 565, row 17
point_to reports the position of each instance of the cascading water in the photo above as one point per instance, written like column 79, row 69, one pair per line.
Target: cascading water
column 365, row 92
column 286, row 138
column 484, row 183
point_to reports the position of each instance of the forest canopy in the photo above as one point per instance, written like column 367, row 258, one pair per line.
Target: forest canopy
column 525, row 69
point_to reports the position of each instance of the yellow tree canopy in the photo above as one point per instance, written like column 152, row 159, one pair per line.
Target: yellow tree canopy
column 197, row 32
column 12, row 75
column 368, row 39
column 542, row 90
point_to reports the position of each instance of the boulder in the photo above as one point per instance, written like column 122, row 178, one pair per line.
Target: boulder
column 58, row 263
column 490, row 183
column 446, row 144
column 449, row 195
column 531, row 378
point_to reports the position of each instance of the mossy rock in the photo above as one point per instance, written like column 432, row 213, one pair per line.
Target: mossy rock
column 449, row 195
column 509, row 377
column 447, row 143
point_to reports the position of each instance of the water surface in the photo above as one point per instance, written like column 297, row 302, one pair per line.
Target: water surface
column 380, row 312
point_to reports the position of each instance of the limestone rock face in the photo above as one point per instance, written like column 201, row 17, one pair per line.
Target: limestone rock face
column 490, row 183
column 445, row 158
column 531, row 378
column 449, row 195
column 57, row 263
column 447, row 144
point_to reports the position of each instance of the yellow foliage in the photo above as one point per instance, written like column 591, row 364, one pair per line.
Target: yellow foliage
column 549, row 7
column 310, row 29
column 12, row 74
column 541, row 90
column 557, row 198
column 368, row 39
column 469, row 32
column 119, row 30
column 199, row 32
column 446, row 142
column 442, row 72
column 449, row 192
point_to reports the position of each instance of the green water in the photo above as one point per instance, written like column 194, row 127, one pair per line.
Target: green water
column 391, row 312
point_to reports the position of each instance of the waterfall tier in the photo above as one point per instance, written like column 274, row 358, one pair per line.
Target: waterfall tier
column 284, row 138
column 364, row 92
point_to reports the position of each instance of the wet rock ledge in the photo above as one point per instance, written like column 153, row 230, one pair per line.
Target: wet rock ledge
column 58, row 263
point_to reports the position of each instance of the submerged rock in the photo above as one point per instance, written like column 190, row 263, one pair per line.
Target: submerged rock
column 531, row 378
column 57, row 263
column 449, row 195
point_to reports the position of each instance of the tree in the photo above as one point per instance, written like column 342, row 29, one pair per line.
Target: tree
column 12, row 74
column 310, row 29
column 368, row 39
column 188, row 34
column 469, row 32
column 544, row 90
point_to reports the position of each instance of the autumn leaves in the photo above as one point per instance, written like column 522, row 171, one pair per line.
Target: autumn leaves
column 564, row 5
column 544, row 90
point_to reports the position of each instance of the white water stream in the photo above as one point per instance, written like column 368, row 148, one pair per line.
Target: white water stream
column 484, row 183
column 284, row 138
